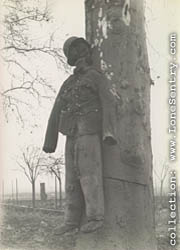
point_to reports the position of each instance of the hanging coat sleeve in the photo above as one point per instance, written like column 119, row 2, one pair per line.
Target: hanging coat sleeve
column 108, row 104
column 51, row 137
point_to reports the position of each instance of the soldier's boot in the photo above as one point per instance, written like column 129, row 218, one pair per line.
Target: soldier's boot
column 66, row 228
column 92, row 226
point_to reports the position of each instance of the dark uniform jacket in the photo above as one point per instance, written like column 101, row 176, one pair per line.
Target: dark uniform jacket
column 84, row 105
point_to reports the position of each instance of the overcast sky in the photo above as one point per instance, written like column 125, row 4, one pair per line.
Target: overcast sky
column 68, row 19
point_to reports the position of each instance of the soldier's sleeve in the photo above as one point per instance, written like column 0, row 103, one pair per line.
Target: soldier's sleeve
column 108, row 104
column 51, row 137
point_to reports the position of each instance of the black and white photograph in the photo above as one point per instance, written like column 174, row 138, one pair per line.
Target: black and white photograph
column 89, row 131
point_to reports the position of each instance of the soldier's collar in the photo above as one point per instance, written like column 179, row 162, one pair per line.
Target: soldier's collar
column 81, row 66
column 81, row 69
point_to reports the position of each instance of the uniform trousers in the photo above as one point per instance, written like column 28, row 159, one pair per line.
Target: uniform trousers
column 84, row 178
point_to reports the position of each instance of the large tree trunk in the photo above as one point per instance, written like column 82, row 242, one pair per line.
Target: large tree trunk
column 115, row 28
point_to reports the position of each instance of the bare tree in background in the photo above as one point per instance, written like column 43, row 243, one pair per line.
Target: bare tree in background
column 19, row 49
column 30, row 164
column 161, row 178
column 55, row 166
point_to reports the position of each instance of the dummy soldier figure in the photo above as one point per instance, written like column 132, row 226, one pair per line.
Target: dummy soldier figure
column 84, row 111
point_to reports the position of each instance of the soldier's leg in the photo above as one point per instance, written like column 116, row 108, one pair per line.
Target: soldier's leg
column 74, row 196
column 90, row 165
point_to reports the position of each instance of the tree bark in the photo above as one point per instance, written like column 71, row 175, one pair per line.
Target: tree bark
column 33, row 194
column 115, row 28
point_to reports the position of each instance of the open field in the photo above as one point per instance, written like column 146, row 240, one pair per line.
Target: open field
column 30, row 230
column 27, row 230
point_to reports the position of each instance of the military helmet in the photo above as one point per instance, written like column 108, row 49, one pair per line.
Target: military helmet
column 70, row 41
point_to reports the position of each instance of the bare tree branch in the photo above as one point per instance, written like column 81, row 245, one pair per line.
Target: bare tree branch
column 53, row 165
column 24, row 170
column 18, row 46
column 31, row 162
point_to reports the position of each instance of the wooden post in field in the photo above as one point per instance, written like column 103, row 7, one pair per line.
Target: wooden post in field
column 3, row 191
column 12, row 187
column 55, row 192
column 16, row 191
column 43, row 192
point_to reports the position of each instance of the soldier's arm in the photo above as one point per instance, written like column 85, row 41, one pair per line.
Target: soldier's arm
column 51, row 137
column 108, row 104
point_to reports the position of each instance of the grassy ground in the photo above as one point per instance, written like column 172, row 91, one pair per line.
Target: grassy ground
column 162, row 235
column 31, row 230
column 36, row 230
column 49, row 204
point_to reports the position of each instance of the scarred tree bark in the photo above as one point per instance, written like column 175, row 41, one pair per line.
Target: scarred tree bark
column 115, row 28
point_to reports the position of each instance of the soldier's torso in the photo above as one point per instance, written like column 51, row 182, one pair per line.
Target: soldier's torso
column 80, row 105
